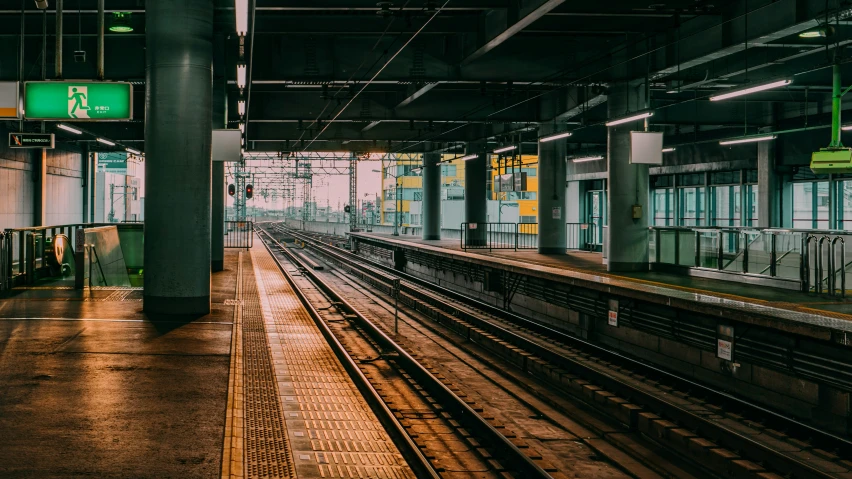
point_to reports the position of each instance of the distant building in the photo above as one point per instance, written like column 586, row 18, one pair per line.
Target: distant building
column 512, row 190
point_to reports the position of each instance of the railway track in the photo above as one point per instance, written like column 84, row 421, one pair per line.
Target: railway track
column 409, row 398
column 729, row 436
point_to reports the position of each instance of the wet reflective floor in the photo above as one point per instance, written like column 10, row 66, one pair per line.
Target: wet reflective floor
column 91, row 387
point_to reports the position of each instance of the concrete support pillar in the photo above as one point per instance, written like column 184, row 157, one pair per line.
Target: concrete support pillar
column 39, row 187
column 627, row 187
column 768, row 197
column 475, row 205
column 432, row 196
column 552, row 232
column 178, row 138
column 217, row 199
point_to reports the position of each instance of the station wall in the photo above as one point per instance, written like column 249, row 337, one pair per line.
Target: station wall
column 16, row 189
column 63, row 188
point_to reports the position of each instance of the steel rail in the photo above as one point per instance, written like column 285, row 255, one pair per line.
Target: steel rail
column 734, row 439
column 462, row 412
column 421, row 466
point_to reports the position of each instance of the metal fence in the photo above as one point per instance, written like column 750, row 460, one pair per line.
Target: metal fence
column 493, row 236
column 816, row 259
column 239, row 234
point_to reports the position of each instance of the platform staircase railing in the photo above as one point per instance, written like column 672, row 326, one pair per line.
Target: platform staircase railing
column 815, row 259
column 24, row 252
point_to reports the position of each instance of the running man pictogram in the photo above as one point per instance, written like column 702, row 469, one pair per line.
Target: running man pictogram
column 80, row 102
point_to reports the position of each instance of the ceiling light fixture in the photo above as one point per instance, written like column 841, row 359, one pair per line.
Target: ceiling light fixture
column 241, row 107
column 469, row 157
column 756, row 88
column 669, row 150
column 748, row 139
column 556, row 136
column 583, row 159
column 135, row 152
column 241, row 76
column 627, row 119
column 241, row 11
column 818, row 32
column 505, row 149
column 105, row 142
column 242, row 127
column 846, row 127
column 120, row 22
column 71, row 129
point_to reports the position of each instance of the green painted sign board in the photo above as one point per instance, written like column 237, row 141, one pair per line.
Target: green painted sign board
column 68, row 100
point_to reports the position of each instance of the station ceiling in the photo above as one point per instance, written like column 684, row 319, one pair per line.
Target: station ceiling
column 420, row 75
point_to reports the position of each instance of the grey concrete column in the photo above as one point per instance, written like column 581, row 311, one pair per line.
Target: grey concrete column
column 768, row 201
column 432, row 196
column 39, row 187
column 217, row 200
column 627, row 187
column 475, row 205
column 552, row 232
column 178, row 137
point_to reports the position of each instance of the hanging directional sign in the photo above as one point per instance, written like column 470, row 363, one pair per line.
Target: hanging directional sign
column 31, row 140
column 78, row 101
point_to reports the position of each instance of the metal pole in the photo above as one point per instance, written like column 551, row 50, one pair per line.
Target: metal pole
column 396, row 306
column 59, row 39
column 836, row 95
column 101, row 39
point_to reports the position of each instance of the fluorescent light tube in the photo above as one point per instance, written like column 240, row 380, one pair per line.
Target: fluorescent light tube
column 469, row 157
column 846, row 127
column 751, row 139
column 135, row 152
column 105, row 142
column 746, row 91
column 587, row 158
column 628, row 119
column 556, row 136
column 505, row 149
column 68, row 128
column 243, row 130
column 669, row 150
column 241, row 11
column 241, row 76
column 241, row 107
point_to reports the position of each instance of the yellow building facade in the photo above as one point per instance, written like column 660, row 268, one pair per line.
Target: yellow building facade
column 404, row 174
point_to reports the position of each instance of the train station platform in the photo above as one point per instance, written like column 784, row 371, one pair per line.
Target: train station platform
column 783, row 309
column 92, row 387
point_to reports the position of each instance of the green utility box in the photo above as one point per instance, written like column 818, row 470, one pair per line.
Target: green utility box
column 835, row 160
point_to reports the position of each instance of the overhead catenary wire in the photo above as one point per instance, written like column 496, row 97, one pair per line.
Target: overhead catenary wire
column 391, row 59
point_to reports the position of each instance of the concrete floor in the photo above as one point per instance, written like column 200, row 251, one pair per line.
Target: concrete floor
column 91, row 387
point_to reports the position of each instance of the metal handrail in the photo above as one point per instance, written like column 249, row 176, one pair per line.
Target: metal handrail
column 724, row 246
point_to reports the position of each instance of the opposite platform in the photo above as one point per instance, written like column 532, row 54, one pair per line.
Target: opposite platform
column 784, row 310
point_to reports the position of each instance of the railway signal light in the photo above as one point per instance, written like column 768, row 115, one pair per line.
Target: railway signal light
column 232, row 190
column 249, row 191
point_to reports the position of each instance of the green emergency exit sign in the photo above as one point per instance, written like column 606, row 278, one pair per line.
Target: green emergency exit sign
column 78, row 101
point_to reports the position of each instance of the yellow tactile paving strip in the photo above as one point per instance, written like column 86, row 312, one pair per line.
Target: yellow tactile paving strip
column 331, row 429
column 232, row 453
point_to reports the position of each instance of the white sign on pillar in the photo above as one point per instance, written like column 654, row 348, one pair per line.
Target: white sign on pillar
column 226, row 145
column 646, row 148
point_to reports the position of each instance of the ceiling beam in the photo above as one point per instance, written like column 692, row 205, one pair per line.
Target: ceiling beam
column 417, row 94
column 539, row 10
